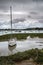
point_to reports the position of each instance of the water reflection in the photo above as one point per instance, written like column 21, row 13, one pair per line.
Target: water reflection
column 22, row 45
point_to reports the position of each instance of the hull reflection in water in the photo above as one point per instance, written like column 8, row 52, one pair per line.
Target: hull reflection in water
column 21, row 45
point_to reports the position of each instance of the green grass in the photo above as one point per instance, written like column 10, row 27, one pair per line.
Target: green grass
column 20, row 36
column 20, row 56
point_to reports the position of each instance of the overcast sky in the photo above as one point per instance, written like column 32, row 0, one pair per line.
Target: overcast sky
column 26, row 9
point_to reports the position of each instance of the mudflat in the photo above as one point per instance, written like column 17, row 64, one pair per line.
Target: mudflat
column 26, row 62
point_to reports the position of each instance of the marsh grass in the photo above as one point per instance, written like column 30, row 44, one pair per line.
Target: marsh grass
column 20, row 56
column 20, row 36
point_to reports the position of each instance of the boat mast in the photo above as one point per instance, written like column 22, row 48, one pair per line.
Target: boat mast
column 11, row 19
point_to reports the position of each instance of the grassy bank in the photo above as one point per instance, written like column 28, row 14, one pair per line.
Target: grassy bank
column 20, row 56
column 20, row 36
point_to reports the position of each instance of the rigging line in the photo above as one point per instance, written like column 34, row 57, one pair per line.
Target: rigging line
column 11, row 19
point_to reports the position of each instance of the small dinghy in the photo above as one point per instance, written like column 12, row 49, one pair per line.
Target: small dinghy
column 12, row 42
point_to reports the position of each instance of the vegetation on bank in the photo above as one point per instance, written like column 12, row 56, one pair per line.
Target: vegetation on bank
column 20, row 56
column 20, row 36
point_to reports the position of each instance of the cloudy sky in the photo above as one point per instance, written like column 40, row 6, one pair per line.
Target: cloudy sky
column 26, row 13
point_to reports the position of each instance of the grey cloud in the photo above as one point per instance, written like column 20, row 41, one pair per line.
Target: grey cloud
column 37, row 17
column 20, row 4
column 37, row 0
column 40, row 21
column 4, row 4
column 34, row 13
column 13, row 21
column 18, row 20
column 31, row 6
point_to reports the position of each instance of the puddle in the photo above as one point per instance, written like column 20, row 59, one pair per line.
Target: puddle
column 22, row 45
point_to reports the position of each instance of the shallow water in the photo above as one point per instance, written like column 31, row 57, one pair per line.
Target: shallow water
column 25, row 31
column 22, row 45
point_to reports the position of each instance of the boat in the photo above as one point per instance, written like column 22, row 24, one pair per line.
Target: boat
column 12, row 42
